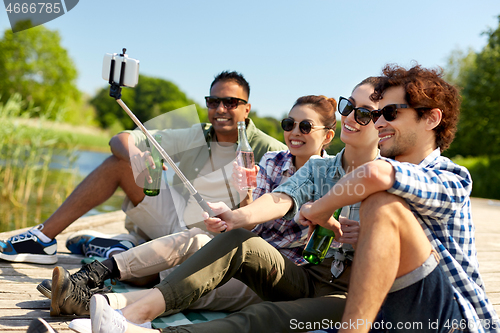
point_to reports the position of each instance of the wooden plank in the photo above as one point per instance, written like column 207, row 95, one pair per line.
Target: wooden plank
column 486, row 216
column 486, row 267
column 21, row 296
column 20, row 302
column 18, row 312
column 96, row 222
column 38, row 273
column 21, row 325
column 25, row 304
column 494, row 298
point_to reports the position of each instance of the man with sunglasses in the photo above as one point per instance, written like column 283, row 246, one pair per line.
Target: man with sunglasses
column 171, row 211
column 415, row 265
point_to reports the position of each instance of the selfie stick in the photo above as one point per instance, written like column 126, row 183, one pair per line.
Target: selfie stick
column 115, row 92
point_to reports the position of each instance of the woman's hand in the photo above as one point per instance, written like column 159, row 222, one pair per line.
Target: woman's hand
column 222, row 219
column 239, row 178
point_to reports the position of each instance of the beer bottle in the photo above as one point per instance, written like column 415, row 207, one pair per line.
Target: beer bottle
column 245, row 159
column 319, row 243
column 153, row 189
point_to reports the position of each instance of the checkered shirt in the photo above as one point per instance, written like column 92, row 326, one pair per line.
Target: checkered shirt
column 287, row 236
column 438, row 193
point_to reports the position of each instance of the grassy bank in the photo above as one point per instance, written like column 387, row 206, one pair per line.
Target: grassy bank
column 81, row 137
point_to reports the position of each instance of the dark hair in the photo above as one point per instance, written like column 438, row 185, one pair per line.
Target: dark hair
column 232, row 76
column 372, row 80
column 425, row 89
column 324, row 106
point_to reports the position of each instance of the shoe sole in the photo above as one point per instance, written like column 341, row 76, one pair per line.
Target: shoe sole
column 44, row 291
column 45, row 259
column 96, row 307
column 57, row 277
column 78, row 326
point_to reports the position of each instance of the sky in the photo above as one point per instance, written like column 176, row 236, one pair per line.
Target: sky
column 285, row 49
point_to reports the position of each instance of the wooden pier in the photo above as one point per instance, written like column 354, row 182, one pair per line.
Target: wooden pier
column 20, row 302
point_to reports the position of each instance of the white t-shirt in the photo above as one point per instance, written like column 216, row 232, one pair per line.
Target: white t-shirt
column 211, row 184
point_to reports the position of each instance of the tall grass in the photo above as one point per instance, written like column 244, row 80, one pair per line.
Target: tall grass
column 26, row 179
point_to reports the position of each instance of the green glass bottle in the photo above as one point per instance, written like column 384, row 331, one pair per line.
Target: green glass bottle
column 153, row 189
column 319, row 243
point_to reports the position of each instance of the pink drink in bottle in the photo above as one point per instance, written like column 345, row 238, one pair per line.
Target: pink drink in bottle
column 245, row 158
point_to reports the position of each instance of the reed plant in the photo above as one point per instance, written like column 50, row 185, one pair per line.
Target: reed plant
column 27, row 180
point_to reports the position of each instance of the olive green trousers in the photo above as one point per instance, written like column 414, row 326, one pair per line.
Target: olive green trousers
column 296, row 298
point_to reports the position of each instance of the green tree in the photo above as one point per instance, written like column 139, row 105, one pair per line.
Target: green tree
column 458, row 64
column 34, row 64
column 150, row 98
column 479, row 76
column 268, row 125
column 336, row 145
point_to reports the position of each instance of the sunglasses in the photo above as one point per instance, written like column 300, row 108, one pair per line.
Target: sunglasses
column 361, row 115
column 288, row 124
column 228, row 102
column 389, row 112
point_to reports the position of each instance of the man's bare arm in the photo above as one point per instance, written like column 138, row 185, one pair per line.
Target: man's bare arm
column 370, row 178
column 121, row 148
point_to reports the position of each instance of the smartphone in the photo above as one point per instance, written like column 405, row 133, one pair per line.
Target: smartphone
column 131, row 75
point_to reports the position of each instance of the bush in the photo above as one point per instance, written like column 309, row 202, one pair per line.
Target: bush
column 485, row 175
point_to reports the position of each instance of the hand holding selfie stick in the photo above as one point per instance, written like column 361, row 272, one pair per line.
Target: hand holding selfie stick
column 131, row 81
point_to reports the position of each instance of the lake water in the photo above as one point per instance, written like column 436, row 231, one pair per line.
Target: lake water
column 86, row 162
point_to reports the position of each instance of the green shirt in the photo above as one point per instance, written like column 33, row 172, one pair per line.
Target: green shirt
column 190, row 147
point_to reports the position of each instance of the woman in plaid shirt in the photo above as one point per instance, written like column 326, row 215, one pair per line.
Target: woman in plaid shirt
column 308, row 130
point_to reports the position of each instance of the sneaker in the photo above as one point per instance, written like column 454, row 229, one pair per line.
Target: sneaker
column 71, row 294
column 27, row 247
column 81, row 325
column 39, row 325
column 104, row 318
column 91, row 276
column 45, row 288
column 147, row 324
column 92, row 243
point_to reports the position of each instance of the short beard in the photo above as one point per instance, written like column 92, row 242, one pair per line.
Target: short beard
column 400, row 147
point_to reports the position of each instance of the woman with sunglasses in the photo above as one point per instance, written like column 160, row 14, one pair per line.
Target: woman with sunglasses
column 241, row 254
column 308, row 129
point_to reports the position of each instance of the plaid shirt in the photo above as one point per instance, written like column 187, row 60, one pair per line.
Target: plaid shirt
column 438, row 193
column 286, row 236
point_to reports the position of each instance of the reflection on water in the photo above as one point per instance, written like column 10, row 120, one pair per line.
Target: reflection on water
column 62, row 179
